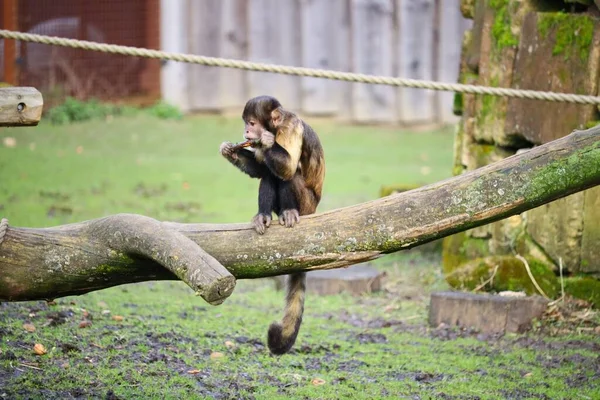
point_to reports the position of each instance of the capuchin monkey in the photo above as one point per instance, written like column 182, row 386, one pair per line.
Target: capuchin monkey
column 285, row 153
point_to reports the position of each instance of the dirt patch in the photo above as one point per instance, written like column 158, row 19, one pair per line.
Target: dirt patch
column 420, row 377
column 364, row 338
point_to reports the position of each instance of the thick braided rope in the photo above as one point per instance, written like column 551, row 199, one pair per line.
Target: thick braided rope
column 300, row 71
column 3, row 229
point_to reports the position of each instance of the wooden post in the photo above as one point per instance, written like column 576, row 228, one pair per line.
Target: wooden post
column 150, row 75
column 20, row 106
column 10, row 45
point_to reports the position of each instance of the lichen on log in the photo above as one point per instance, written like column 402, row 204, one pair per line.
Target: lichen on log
column 74, row 259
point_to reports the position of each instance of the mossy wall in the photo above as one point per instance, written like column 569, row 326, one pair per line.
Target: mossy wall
column 507, row 46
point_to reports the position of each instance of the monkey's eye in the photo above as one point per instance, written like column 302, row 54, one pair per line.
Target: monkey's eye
column 252, row 123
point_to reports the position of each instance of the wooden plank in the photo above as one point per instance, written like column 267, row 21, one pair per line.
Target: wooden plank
column 174, row 34
column 274, row 37
column 415, row 58
column 452, row 26
column 20, row 106
column 372, row 53
column 341, row 20
column 234, row 44
column 10, row 46
column 204, row 30
column 486, row 313
column 318, row 51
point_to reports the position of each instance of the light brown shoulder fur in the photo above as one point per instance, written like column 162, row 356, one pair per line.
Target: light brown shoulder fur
column 290, row 132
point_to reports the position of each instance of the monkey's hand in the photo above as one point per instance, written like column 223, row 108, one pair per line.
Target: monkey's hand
column 289, row 218
column 267, row 139
column 261, row 222
column 226, row 150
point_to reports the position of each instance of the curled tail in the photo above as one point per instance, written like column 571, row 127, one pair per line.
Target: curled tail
column 282, row 335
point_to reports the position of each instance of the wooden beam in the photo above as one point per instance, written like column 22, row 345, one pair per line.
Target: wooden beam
column 20, row 106
column 10, row 45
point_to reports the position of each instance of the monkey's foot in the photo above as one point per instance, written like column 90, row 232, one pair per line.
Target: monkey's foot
column 261, row 222
column 289, row 218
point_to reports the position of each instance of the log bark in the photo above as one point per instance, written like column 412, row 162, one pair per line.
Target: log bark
column 45, row 263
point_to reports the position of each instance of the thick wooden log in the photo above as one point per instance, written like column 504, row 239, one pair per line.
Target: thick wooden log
column 68, row 259
column 20, row 106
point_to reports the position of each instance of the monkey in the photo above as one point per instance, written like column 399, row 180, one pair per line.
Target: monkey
column 286, row 154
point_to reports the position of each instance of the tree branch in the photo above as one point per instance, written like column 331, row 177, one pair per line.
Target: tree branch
column 137, row 235
column 74, row 259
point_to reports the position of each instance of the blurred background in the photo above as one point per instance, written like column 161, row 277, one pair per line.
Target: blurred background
column 418, row 39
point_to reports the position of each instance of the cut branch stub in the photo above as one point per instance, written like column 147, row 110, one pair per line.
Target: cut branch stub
column 137, row 235
column 20, row 106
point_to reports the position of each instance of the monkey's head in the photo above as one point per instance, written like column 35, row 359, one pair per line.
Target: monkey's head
column 258, row 115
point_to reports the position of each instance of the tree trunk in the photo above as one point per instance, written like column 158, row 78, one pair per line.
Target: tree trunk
column 78, row 258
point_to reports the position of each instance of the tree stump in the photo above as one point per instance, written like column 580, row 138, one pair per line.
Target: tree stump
column 357, row 279
column 484, row 312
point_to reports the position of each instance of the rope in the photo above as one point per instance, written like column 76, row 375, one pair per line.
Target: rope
column 3, row 228
column 300, row 71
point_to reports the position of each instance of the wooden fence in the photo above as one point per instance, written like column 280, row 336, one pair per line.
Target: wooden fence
column 418, row 39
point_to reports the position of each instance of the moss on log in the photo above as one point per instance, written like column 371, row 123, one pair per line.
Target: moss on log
column 77, row 258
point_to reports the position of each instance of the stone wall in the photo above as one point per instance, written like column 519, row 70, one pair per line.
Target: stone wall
column 541, row 45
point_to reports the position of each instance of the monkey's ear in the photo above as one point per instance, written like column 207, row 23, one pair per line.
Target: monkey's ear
column 276, row 117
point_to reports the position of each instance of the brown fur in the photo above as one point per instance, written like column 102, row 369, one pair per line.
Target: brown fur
column 306, row 170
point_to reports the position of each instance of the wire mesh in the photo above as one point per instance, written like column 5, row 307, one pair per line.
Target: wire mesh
column 59, row 72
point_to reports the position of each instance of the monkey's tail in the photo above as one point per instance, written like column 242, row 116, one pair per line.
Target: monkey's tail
column 282, row 335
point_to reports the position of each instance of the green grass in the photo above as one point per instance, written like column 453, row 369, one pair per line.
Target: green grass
column 172, row 169
column 366, row 347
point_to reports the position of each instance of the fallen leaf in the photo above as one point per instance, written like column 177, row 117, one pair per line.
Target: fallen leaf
column 186, row 186
column 527, row 375
column 390, row 307
column 9, row 141
column 117, row 318
column 318, row 382
column 86, row 313
column 105, row 312
column 51, row 303
column 85, row 324
column 216, row 355
column 193, row 371
column 229, row 344
column 39, row 349
column 79, row 149
column 29, row 327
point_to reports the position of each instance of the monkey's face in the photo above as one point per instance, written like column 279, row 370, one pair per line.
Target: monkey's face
column 253, row 130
